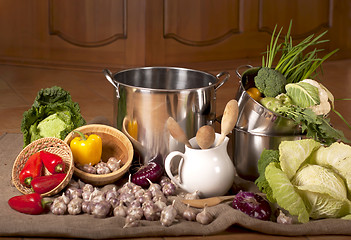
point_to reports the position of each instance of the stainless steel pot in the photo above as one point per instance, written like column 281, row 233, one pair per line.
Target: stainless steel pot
column 248, row 148
column 147, row 97
column 257, row 128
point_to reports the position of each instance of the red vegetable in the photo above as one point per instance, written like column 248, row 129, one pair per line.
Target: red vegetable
column 253, row 205
column 30, row 203
column 152, row 171
column 52, row 162
column 31, row 169
column 45, row 184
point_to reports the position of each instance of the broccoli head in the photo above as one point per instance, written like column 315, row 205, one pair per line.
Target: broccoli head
column 270, row 82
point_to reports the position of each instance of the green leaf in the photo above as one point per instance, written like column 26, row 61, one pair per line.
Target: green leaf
column 323, row 192
column 294, row 153
column 285, row 193
column 336, row 157
column 303, row 94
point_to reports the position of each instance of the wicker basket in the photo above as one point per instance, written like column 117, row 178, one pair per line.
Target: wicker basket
column 49, row 144
column 114, row 144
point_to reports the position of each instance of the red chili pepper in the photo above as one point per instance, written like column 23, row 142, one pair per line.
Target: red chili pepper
column 31, row 203
column 45, row 184
column 31, row 169
column 52, row 162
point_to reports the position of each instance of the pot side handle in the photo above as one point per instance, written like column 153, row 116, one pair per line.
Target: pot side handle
column 218, row 76
column 109, row 77
column 240, row 67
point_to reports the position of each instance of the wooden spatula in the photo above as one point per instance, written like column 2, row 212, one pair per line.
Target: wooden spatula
column 212, row 201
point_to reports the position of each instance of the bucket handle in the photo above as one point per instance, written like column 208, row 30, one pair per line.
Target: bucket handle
column 109, row 77
column 240, row 67
column 219, row 75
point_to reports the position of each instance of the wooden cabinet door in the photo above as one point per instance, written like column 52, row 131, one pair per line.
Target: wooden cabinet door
column 83, row 34
column 94, row 34
column 212, row 30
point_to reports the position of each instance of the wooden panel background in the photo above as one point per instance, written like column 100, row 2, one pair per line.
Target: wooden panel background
column 94, row 34
column 90, row 28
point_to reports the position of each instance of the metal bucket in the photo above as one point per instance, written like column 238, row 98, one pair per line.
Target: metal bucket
column 257, row 128
column 147, row 97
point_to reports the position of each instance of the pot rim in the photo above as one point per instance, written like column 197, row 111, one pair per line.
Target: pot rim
column 214, row 84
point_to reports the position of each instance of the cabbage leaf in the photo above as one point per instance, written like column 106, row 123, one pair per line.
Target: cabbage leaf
column 321, row 203
column 284, row 192
column 303, row 94
column 336, row 157
column 294, row 153
column 323, row 192
column 327, row 180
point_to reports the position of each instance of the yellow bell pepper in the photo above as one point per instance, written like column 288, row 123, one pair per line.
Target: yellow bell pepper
column 86, row 149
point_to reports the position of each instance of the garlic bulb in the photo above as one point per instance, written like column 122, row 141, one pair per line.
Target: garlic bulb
column 189, row 214
column 75, row 206
column 58, row 207
column 204, row 217
column 168, row 215
column 113, row 164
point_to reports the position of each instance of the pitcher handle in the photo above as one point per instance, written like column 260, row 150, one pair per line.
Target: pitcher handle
column 218, row 76
column 240, row 67
column 168, row 164
column 109, row 77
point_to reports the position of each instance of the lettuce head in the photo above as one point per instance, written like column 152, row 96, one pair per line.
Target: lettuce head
column 53, row 114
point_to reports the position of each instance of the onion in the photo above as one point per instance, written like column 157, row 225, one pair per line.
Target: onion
column 253, row 205
column 152, row 171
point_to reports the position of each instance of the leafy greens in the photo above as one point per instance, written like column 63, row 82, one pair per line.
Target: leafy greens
column 53, row 114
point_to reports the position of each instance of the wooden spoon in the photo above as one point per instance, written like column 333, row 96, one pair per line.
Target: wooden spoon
column 230, row 116
column 205, row 136
column 200, row 203
column 177, row 132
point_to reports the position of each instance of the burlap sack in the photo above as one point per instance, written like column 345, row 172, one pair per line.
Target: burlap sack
column 13, row 223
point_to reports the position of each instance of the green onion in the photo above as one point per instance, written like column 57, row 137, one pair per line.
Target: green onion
column 294, row 64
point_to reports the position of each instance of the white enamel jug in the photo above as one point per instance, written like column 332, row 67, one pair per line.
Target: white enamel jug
column 209, row 171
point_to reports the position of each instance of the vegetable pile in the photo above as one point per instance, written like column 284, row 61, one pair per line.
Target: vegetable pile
column 53, row 114
column 307, row 179
column 130, row 201
column 290, row 90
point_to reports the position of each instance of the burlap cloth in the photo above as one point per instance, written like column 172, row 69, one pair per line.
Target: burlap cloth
column 13, row 223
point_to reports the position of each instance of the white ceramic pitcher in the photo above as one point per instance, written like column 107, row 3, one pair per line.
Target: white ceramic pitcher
column 209, row 171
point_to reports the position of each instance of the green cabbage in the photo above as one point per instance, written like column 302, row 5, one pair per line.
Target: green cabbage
column 53, row 114
column 310, row 180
